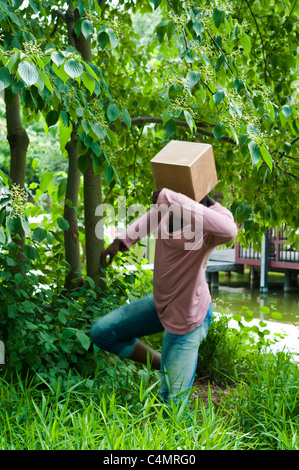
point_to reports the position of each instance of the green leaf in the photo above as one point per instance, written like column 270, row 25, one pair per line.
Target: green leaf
column 218, row 17
column 245, row 43
column 61, row 190
column 2, row 237
column 19, row 278
column 63, row 223
column 60, row 72
column 91, row 71
column 62, row 317
column 46, row 80
column 103, row 39
column 39, row 234
column 84, row 339
column 108, row 172
column 96, row 148
column 31, row 252
column 156, row 3
column 64, row 136
column 52, row 118
column 254, row 152
column 237, row 317
column 25, row 225
column 80, row 112
column 81, row 6
column 73, row 68
column 82, row 163
column 265, row 310
column 112, row 112
column 87, row 28
column 287, row 111
column 161, row 30
column 276, row 315
column 88, row 81
column 266, row 156
column 57, row 58
column 189, row 119
column 12, row 63
column 218, row 96
column 193, row 78
column 99, row 130
column 28, row 72
column 126, row 117
column 169, row 128
column 46, row 179
column 5, row 78
column 219, row 131
column 113, row 38
column 198, row 27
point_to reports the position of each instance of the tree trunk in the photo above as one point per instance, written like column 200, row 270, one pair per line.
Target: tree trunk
column 93, row 245
column 18, row 141
column 92, row 192
column 92, row 183
column 71, row 236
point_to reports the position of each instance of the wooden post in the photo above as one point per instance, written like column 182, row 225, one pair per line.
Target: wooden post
column 252, row 274
column 287, row 280
column 215, row 280
column 264, row 263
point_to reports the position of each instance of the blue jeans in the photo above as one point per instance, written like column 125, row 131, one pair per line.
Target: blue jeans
column 119, row 331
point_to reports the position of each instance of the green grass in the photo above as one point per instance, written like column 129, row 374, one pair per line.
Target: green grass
column 117, row 408
column 260, row 412
column 79, row 416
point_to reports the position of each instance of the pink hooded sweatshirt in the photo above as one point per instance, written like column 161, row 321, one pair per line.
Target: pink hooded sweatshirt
column 181, row 293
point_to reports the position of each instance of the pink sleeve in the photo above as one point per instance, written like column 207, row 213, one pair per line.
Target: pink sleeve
column 216, row 219
column 219, row 222
column 140, row 228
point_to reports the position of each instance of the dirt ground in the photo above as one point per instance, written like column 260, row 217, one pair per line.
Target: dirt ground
column 202, row 385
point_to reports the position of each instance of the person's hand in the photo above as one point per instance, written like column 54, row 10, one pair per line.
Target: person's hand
column 207, row 201
column 111, row 251
column 155, row 196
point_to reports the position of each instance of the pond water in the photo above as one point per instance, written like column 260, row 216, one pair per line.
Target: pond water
column 236, row 291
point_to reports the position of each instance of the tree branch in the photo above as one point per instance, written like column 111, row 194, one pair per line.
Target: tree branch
column 184, row 32
column 262, row 40
column 59, row 14
column 142, row 120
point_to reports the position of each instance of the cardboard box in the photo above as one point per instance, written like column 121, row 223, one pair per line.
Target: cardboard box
column 185, row 167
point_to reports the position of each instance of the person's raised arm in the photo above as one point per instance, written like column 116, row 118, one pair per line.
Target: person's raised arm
column 139, row 229
column 211, row 216
column 111, row 252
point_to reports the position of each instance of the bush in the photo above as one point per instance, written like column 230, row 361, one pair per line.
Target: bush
column 219, row 352
column 227, row 351
column 45, row 328
column 265, row 404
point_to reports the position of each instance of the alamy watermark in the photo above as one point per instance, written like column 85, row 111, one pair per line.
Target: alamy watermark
column 187, row 222
column 2, row 353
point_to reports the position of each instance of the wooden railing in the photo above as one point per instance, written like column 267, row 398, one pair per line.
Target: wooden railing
column 280, row 255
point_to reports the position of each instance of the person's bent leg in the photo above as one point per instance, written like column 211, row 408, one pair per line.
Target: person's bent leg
column 179, row 361
column 146, row 355
column 118, row 331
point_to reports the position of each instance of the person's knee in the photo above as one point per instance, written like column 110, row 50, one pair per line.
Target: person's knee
column 99, row 335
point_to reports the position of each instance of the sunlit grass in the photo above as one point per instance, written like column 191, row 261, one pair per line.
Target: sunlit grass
column 118, row 407
column 42, row 417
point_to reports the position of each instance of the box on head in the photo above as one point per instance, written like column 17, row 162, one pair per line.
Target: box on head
column 185, row 167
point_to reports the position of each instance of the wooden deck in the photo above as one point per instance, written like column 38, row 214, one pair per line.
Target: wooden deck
column 230, row 260
column 224, row 260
